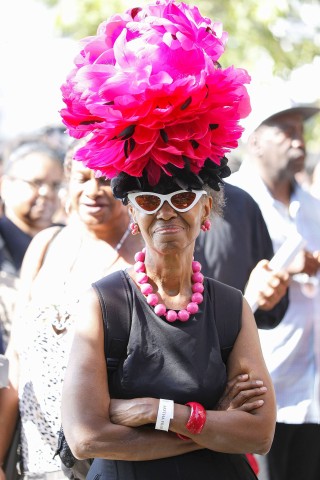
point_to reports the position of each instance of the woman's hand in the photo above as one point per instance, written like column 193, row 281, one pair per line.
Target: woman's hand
column 238, row 393
column 134, row 412
column 142, row 411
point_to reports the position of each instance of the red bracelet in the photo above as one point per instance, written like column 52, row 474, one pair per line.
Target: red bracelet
column 196, row 420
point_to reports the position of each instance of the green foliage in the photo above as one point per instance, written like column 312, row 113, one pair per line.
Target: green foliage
column 50, row 3
column 276, row 29
column 80, row 18
column 259, row 29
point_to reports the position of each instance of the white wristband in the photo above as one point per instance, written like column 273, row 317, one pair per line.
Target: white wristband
column 165, row 414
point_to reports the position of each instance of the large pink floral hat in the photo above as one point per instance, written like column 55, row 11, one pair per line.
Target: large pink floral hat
column 150, row 96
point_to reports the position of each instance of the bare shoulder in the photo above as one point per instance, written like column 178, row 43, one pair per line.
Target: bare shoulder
column 89, row 321
column 43, row 238
column 36, row 251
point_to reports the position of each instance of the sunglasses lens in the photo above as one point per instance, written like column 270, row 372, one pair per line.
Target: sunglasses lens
column 149, row 203
column 183, row 200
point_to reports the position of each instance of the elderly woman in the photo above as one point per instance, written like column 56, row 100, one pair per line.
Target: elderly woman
column 161, row 114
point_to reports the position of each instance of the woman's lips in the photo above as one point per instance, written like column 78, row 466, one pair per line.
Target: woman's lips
column 168, row 229
column 94, row 207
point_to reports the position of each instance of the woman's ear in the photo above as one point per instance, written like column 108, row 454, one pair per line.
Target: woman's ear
column 207, row 206
column 131, row 212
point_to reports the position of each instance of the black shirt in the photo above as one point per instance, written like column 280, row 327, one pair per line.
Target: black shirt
column 13, row 246
column 235, row 244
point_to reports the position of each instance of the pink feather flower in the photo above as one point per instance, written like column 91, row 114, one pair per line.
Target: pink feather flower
column 148, row 91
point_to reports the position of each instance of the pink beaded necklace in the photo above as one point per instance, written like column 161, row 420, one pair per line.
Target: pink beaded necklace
column 153, row 299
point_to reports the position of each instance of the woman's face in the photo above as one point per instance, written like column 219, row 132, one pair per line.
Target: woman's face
column 91, row 198
column 30, row 189
column 170, row 229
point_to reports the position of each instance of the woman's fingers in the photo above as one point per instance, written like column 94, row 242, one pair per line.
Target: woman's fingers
column 250, row 406
column 246, row 395
column 239, row 391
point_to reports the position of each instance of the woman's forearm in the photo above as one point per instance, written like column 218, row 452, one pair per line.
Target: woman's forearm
column 232, row 431
column 132, row 436
column 253, row 428
column 9, row 409
column 117, row 442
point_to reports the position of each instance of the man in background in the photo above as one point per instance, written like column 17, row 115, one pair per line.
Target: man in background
column 276, row 152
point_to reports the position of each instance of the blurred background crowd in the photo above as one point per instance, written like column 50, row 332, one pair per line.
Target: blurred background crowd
column 277, row 42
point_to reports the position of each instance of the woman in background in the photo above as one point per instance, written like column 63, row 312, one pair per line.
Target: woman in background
column 60, row 264
column 30, row 184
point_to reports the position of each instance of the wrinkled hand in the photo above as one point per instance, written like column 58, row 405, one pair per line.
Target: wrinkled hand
column 266, row 287
column 134, row 412
column 305, row 262
column 239, row 393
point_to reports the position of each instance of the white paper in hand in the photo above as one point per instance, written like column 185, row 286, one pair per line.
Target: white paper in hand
column 286, row 253
column 281, row 260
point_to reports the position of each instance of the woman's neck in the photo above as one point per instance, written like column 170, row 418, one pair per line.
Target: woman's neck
column 110, row 232
column 167, row 281
column 171, row 272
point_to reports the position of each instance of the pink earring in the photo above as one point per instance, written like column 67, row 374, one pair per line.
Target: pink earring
column 205, row 227
column 134, row 227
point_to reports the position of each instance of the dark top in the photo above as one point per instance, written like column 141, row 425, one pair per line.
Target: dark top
column 14, row 244
column 181, row 361
column 1, row 345
column 235, row 244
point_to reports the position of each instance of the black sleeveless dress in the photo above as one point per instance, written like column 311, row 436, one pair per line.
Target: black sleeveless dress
column 181, row 361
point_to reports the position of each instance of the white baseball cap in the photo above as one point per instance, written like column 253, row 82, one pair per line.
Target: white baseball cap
column 268, row 102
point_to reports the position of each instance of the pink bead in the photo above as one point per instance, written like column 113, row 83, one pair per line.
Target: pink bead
column 197, row 287
column 192, row 307
column 152, row 299
column 183, row 315
column 146, row 288
column 139, row 257
column 197, row 298
column 196, row 266
column 197, row 277
column 139, row 267
column 171, row 316
column 207, row 224
column 160, row 309
column 142, row 277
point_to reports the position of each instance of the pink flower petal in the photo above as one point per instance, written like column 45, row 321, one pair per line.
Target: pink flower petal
column 147, row 91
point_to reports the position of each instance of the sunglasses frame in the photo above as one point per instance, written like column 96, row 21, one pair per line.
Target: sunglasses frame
column 165, row 198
